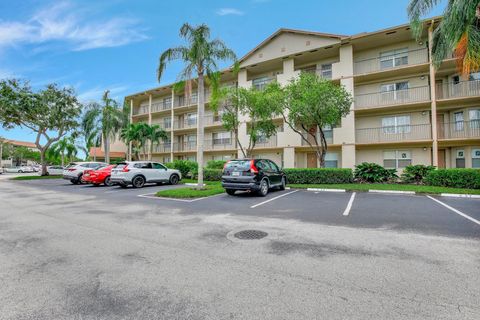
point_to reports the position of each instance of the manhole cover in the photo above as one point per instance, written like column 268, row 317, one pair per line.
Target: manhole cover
column 250, row 234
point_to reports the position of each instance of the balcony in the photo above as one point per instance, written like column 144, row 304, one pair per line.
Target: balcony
column 187, row 146
column 161, row 106
column 328, row 137
column 459, row 130
column 186, row 124
column 261, row 83
column 389, row 62
column 462, row 89
column 218, row 144
column 213, row 120
column 418, row 132
column 162, row 148
column 394, row 97
column 182, row 101
column 140, row 110
column 266, row 142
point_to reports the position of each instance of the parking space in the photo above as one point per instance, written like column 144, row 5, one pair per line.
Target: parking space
column 456, row 217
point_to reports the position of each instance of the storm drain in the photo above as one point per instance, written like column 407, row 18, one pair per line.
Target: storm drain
column 250, row 235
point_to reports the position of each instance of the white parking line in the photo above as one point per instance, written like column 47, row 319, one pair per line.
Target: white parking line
column 153, row 196
column 456, row 211
column 282, row 195
column 349, row 205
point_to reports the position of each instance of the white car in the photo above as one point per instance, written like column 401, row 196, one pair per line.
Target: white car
column 1, row 170
column 21, row 169
column 55, row 170
column 137, row 173
column 74, row 171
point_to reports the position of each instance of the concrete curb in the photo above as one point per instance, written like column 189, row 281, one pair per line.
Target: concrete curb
column 193, row 184
column 391, row 191
column 457, row 195
column 326, row 190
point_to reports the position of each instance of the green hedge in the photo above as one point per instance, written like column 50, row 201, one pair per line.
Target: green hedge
column 318, row 175
column 216, row 164
column 188, row 169
column 212, row 174
column 455, row 178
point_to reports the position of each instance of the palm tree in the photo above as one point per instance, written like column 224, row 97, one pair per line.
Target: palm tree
column 130, row 134
column 64, row 147
column 91, row 129
column 155, row 134
column 200, row 56
column 458, row 31
column 111, row 119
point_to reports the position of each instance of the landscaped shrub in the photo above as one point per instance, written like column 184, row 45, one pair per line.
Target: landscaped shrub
column 188, row 169
column 415, row 173
column 456, row 178
column 372, row 173
column 216, row 164
column 318, row 175
column 212, row 174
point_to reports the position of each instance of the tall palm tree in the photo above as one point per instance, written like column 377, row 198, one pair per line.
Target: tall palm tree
column 64, row 147
column 91, row 129
column 111, row 119
column 200, row 56
column 155, row 134
column 130, row 134
column 458, row 31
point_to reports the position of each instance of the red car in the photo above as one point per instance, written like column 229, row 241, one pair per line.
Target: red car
column 99, row 176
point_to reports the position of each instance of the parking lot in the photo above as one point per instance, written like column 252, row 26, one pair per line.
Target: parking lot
column 78, row 251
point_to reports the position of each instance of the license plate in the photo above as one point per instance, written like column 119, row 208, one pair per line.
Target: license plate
column 235, row 173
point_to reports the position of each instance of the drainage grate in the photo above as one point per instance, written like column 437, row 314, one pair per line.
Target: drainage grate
column 250, row 234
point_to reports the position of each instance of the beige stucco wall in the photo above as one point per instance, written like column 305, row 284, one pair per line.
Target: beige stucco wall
column 418, row 117
column 375, row 52
column 375, row 155
column 413, row 82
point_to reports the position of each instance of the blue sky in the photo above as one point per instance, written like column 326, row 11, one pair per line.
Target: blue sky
column 115, row 44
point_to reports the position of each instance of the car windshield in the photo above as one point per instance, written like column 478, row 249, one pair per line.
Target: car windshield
column 238, row 165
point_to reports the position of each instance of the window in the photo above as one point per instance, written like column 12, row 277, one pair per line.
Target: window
column 191, row 158
column 396, row 159
column 181, row 100
column 262, row 138
column 273, row 165
column 326, row 71
column 167, row 103
column 475, row 158
column 261, row 83
column 458, row 118
column 143, row 165
column 191, row 119
column 328, row 132
column 394, row 91
column 331, row 160
column 167, row 122
column 396, row 124
column 158, row 166
column 194, row 98
column 222, row 137
column 474, row 76
column 460, row 159
column 394, row 58
column 474, row 116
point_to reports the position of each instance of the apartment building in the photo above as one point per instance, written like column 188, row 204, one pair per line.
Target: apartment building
column 404, row 111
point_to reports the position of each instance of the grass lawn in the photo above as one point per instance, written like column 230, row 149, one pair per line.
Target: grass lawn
column 35, row 177
column 191, row 192
column 380, row 186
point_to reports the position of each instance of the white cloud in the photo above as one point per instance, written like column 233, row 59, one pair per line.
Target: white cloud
column 229, row 11
column 66, row 23
column 96, row 93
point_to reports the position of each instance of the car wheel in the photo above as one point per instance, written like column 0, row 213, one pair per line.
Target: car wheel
column 138, row 182
column 47, row 174
column 174, row 179
column 20, row 171
column 108, row 182
column 230, row 191
column 74, row 181
column 263, row 191
column 283, row 184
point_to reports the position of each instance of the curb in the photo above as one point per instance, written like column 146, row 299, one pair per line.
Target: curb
column 457, row 195
column 193, row 184
column 391, row 191
column 326, row 190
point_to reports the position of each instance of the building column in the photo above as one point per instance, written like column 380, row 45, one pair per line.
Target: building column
column 433, row 96
column 289, row 157
column 129, row 156
column 171, row 125
column 149, row 123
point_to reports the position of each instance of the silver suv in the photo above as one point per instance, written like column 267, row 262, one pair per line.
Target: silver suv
column 74, row 171
column 137, row 173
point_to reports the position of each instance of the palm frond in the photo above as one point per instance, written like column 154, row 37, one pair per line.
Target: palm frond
column 169, row 55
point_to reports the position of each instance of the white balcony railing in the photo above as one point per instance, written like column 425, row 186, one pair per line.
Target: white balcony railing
column 460, row 89
column 395, row 97
column 376, row 64
column 394, row 134
column 140, row 110
column 459, row 130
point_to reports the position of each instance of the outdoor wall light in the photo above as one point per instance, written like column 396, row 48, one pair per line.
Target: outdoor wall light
column 422, row 77
column 424, row 148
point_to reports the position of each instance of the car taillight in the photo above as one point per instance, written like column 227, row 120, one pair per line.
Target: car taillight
column 253, row 169
column 225, row 165
column 125, row 169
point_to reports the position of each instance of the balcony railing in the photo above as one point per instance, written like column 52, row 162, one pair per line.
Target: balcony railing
column 186, row 124
column 459, row 130
column 395, row 97
column 160, row 106
column 266, row 142
column 213, row 120
column 328, row 137
column 162, row 148
column 219, row 144
column 460, row 89
column 140, row 110
column 185, row 146
column 182, row 101
column 393, row 61
column 401, row 133
column 325, row 74
column 260, row 85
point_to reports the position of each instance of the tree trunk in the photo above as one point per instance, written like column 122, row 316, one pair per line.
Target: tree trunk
column 106, row 140
column 151, row 150
column 200, row 138
column 42, row 161
column 63, row 159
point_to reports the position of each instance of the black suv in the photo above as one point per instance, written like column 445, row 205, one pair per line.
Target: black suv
column 252, row 174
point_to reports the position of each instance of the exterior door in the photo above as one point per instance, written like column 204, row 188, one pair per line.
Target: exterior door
column 311, row 160
column 441, row 158
column 440, row 127
column 439, row 89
